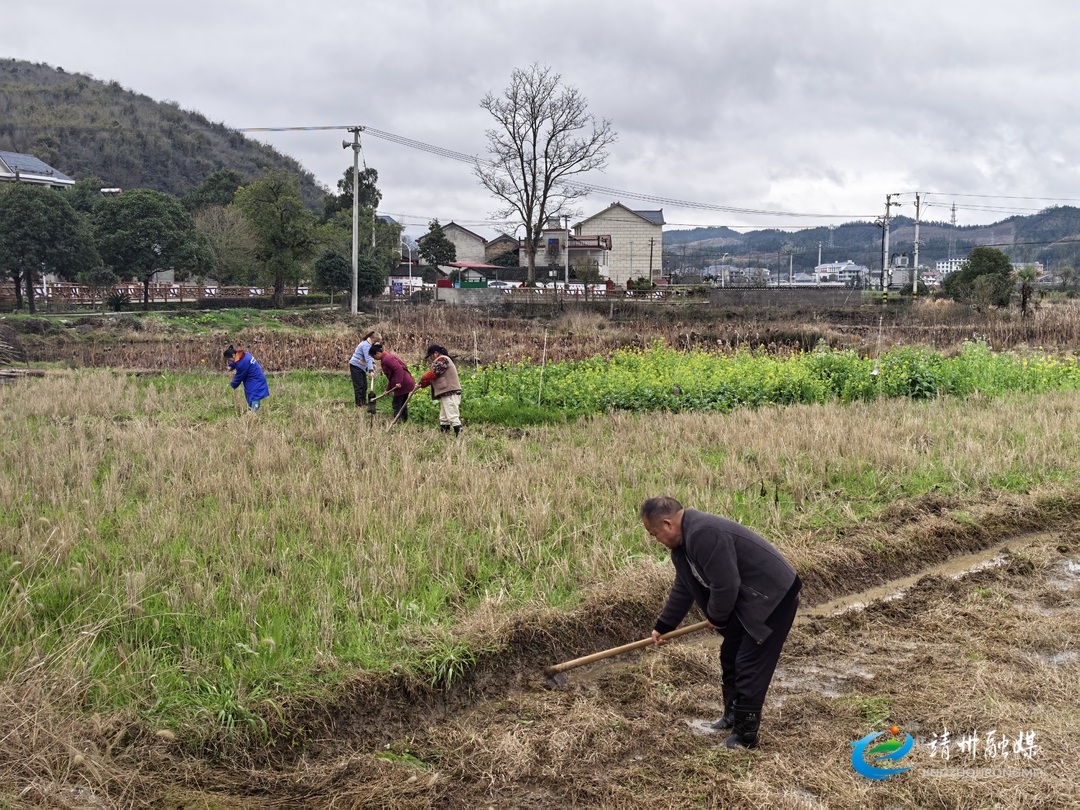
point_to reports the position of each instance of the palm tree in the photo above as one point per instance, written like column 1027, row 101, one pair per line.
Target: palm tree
column 1026, row 275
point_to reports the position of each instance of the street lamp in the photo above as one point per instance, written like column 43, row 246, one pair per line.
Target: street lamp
column 408, row 247
column 355, row 146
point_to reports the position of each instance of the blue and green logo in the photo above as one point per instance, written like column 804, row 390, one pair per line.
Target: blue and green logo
column 862, row 760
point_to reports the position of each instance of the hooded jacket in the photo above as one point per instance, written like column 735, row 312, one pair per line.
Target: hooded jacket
column 250, row 373
column 730, row 571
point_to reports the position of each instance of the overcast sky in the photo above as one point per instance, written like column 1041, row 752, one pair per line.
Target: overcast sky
column 817, row 107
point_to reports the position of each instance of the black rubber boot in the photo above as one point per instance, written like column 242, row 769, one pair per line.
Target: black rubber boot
column 444, row 428
column 744, row 731
column 728, row 720
column 457, row 430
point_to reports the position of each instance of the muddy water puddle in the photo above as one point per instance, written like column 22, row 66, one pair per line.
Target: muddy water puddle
column 954, row 568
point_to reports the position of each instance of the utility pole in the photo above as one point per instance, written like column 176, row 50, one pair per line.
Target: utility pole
column 819, row 254
column 651, row 245
column 355, row 146
column 886, row 273
column 952, row 235
column 915, row 269
column 566, row 262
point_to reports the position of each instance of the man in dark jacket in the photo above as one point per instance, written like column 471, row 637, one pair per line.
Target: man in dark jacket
column 746, row 590
column 398, row 379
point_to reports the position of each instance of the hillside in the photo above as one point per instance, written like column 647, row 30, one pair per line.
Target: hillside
column 86, row 127
column 1050, row 236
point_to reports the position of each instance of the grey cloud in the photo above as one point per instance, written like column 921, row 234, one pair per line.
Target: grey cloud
column 822, row 106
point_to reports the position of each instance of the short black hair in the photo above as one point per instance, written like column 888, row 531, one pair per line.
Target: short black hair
column 375, row 348
column 659, row 508
column 434, row 348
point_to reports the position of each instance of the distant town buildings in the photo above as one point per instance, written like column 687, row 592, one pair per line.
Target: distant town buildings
column 841, row 272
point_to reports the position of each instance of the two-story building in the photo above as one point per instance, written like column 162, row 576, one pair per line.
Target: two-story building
column 468, row 246
column 634, row 241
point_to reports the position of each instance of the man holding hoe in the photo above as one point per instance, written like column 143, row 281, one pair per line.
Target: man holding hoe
column 747, row 591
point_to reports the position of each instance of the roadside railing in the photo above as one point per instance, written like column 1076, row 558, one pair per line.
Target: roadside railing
column 160, row 292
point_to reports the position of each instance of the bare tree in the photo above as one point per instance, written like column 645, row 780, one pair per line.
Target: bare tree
column 544, row 136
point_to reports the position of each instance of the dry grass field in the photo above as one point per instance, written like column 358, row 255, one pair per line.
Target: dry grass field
column 210, row 609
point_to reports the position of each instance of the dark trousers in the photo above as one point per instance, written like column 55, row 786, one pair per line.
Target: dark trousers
column 747, row 666
column 359, row 385
column 399, row 405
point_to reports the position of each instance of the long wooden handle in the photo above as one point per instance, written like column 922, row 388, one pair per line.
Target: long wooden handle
column 633, row 645
column 402, row 408
column 384, row 393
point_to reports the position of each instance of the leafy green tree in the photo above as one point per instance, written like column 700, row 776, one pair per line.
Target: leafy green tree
column 101, row 280
column 41, row 233
column 369, row 194
column 370, row 277
column 996, row 288
column 218, row 188
column 284, row 230
column 232, row 241
column 333, row 272
column 507, row 259
column 435, row 248
column 143, row 232
column 84, row 195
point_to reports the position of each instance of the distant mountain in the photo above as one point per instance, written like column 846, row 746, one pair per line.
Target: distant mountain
column 1050, row 236
column 85, row 127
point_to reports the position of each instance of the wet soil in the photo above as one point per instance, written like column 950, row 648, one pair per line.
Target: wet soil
column 976, row 642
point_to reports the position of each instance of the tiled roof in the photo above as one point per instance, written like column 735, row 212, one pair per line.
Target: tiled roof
column 28, row 164
column 655, row 217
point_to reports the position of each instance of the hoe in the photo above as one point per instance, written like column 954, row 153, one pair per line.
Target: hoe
column 555, row 676
column 372, row 399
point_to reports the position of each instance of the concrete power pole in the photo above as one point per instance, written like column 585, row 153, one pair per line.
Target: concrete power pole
column 652, row 240
column 915, row 269
column 886, row 274
column 952, row 235
column 355, row 146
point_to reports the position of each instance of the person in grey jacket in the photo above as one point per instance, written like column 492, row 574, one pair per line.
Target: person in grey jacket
column 362, row 368
column 747, row 591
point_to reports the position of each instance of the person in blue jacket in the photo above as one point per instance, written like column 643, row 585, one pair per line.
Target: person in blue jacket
column 250, row 373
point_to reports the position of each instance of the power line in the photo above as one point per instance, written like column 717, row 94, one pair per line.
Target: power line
column 586, row 188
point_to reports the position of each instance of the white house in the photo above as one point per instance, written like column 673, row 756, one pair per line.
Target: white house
column 946, row 266
column 557, row 244
column 635, row 241
column 843, row 272
column 16, row 167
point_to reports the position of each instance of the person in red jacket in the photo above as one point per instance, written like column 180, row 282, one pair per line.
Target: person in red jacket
column 398, row 379
column 445, row 387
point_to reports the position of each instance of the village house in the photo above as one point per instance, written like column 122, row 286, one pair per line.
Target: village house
column 468, row 246
column 634, row 241
column 18, row 168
